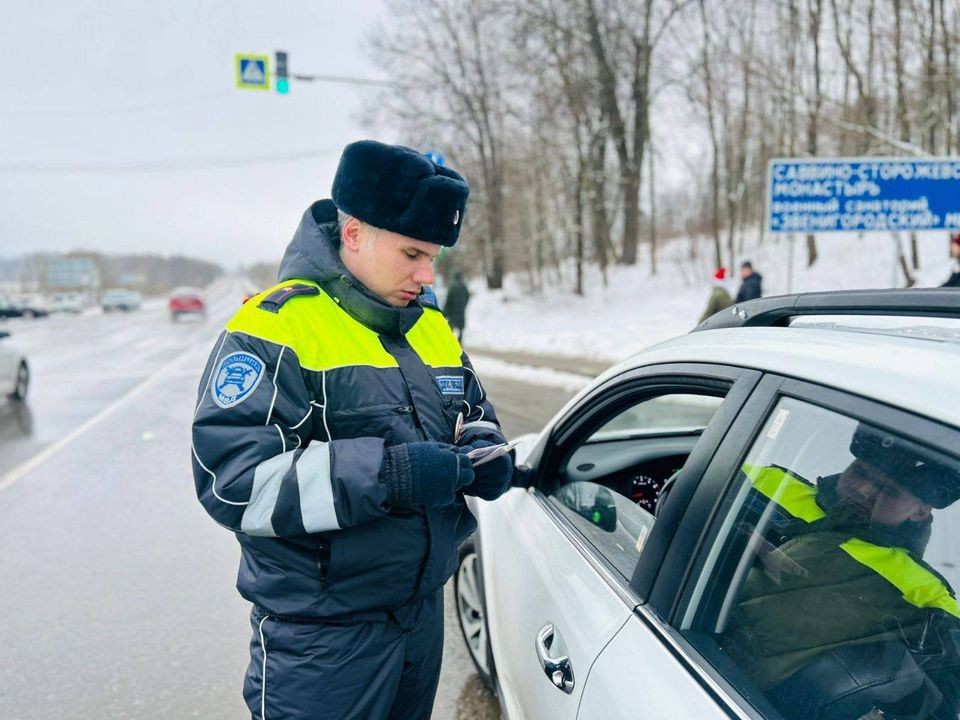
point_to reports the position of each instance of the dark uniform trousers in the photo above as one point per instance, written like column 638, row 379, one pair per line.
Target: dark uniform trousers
column 371, row 666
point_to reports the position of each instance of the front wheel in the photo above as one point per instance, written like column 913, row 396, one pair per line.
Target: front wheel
column 23, row 382
column 471, row 612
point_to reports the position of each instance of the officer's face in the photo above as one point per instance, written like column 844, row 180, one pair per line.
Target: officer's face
column 877, row 497
column 393, row 266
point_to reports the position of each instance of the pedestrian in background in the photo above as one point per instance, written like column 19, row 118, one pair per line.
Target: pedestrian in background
column 719, row 294
column 455, row 307
column 331, row 435
column 954, row 280
column 751, row 283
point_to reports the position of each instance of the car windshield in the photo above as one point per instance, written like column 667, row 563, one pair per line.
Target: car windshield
column 673, row 413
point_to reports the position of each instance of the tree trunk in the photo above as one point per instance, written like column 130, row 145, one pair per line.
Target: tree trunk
column 815, row 11
column 653, row 213
column 599, row 222
column 714, row 141
column 947, row 42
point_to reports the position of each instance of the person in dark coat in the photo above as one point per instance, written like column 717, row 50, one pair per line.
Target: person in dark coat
column 455, row 308
column 331, row 434
column 751, row 283
column 954, row 280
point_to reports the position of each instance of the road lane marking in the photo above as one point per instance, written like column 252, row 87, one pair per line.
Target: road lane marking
column 19, row 472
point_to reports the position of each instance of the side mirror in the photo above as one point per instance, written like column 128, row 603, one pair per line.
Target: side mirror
column 522, row 476
column 592, row 502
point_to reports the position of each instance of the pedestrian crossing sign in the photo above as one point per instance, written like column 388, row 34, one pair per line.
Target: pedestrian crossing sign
column 252, row 71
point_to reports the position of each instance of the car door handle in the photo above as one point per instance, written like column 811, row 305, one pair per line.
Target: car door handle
column 558, row 669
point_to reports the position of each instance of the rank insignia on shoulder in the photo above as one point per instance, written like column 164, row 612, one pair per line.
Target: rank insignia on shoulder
column 275, row 300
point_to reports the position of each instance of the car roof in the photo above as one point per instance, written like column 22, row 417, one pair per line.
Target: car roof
column 920, row 375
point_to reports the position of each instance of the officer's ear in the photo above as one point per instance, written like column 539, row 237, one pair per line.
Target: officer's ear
column 351, row 234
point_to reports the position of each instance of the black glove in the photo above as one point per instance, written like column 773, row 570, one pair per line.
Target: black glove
column 492, row 478
column 424, row 473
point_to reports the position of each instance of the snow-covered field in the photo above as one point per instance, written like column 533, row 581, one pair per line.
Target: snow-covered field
column 635, row 310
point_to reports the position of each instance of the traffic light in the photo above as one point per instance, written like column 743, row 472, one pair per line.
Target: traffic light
column 283, row 81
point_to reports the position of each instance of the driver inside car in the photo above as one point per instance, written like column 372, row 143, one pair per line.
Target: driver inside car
column 848, row 569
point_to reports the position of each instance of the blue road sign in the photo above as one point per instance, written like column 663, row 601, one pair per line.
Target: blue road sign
column 863, row 195
column 252, row 72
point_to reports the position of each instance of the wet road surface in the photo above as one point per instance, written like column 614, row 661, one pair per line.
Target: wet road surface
column 117, row 587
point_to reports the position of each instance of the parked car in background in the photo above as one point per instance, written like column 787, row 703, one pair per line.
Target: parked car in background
column 33, row 306
column 69, row 302
column 187, row 301
column 14, row 371
column 9, row 308
column 119, row 299
column 759, row 519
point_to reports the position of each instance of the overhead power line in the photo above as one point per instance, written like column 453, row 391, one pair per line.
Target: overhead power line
column 120, row 109
column 147, row 166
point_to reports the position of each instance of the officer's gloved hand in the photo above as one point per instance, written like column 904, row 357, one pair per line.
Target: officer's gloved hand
column 424, row 473
column 492, row 478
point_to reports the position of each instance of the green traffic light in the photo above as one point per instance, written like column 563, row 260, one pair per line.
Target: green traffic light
column 283, row 86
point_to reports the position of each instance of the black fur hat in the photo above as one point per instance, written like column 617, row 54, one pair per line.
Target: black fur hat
column 931, row 481
column 398, row 189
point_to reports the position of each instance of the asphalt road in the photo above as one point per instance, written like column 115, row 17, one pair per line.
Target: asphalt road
column 117, row 588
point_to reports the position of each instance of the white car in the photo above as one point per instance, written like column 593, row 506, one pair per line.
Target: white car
column 119, row 299
column 14, row 371
column 706, row 530
column 69, row 302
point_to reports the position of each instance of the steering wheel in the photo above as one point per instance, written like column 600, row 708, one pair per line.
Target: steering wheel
column 664, row 491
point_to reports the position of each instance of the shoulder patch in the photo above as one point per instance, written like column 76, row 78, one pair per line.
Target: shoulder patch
column 235, row 379
column 275, row 300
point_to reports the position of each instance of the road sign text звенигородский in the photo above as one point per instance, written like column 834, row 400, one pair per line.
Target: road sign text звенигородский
column 252, row 71
column 863, row 195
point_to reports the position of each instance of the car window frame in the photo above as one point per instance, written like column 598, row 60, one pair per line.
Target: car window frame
column 612, row 396
column 702, row 522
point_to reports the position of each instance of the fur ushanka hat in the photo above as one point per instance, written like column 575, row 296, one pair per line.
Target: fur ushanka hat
column 399, row 189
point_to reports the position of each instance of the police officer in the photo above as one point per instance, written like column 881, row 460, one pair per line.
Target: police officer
column 331, row 432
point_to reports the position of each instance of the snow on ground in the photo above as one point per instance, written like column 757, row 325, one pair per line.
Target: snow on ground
column 635, row 310
column 491, row 367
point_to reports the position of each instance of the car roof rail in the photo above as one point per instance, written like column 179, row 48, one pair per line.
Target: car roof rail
column 779, row 310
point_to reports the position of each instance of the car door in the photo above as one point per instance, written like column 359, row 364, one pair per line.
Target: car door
column 560, row 557
column 8, row 363
column 768, row 606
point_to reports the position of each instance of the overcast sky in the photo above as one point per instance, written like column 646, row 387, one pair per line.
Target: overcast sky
column 93, row 89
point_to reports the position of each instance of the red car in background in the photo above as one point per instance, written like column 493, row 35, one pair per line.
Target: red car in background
column 187, row 301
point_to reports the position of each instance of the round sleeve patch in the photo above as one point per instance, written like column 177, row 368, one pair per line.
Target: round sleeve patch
column 235, row 378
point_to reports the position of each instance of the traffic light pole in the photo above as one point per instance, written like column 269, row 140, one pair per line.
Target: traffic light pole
column 339, row 79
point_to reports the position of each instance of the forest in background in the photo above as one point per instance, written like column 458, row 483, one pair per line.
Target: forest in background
column 565, row 114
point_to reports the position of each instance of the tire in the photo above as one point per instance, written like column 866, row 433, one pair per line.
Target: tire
column 23, row 383
column 472, row 613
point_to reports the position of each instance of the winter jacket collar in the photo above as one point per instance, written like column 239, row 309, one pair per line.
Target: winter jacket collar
column 313, row 255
